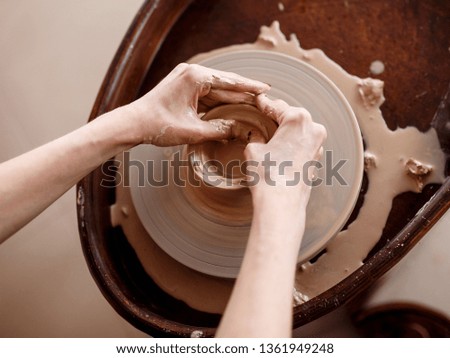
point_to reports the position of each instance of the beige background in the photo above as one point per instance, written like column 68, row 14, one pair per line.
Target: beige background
column 53, row 57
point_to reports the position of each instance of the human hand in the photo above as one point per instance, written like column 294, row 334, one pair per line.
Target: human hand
column 279, row 212
column 169, row 114
column 280, row 163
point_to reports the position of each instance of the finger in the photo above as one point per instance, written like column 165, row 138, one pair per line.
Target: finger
column 217, row 97
column 274, row 109
column 226, row 96
column 234, row 82
column 319, row 154
column 216, row 129
column 322, row 132
column 175, row 73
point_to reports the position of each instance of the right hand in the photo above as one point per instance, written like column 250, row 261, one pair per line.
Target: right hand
column 296, row 141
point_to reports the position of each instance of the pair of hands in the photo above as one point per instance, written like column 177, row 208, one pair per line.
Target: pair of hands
column 166, row 116
column 175, row 104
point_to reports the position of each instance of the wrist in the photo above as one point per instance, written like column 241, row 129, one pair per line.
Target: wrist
column 131, row 123
column 112, row 132
column 125, row 126
column 279, row 213
column 281, row 196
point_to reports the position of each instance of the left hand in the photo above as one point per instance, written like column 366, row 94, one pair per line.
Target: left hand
column 169, row 114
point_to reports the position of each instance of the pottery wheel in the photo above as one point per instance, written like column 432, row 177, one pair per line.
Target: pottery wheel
column 199, row 241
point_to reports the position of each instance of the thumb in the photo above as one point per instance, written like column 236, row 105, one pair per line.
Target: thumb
column 217, row 129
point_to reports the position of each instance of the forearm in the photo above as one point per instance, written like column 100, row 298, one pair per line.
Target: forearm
column 34, row 180
column 166, row 116
column 261, row 302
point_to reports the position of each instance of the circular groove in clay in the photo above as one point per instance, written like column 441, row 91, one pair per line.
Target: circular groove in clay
column 217, row 248
column 247, row 119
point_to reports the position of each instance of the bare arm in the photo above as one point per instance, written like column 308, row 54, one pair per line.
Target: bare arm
column 261, row 302
column 165, row 116
column 32, row 181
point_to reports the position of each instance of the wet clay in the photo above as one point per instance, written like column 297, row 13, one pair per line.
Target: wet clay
column 222, row 195
column 395, row 162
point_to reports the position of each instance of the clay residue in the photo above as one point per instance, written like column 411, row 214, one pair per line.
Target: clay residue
column 197, row 334
column 418, row 172
column 387, row 153
column 371, row 92
column 370, row 161
column 299, row 297
column 222, row 125
column 377, row 67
